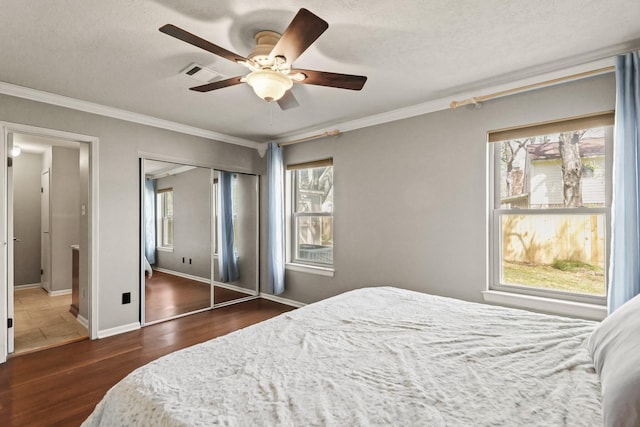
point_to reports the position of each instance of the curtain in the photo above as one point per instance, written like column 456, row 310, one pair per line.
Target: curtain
column 624, row 272
column 226, row 258
column 275, row 220
column 150, row 220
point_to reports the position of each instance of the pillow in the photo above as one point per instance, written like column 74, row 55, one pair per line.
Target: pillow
column 615, row 350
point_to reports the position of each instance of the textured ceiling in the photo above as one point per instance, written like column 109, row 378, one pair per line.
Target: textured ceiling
column 413, row 51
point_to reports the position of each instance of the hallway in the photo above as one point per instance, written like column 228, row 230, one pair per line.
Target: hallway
column 43, row 321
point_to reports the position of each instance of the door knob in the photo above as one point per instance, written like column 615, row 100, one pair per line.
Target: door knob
column 15, row 239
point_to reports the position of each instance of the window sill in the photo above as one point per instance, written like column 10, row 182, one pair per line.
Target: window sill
column 310, row 269
column 164, row 249
column 547, row 305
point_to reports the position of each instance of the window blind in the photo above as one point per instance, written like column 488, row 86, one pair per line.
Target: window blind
column 547, row 128
column 307, row 165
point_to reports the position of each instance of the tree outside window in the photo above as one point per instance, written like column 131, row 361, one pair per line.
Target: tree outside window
column 313, row 215
column 551, row 212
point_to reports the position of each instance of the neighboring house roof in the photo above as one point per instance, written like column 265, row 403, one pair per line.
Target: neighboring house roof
column 589, row 147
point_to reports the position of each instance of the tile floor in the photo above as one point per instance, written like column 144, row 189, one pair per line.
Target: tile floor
column 43, row 321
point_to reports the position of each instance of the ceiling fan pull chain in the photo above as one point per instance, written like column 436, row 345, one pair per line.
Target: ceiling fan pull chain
column 270, row 104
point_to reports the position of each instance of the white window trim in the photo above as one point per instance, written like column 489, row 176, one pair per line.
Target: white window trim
column 159, row 218
column 538, row 299
column 310, row 269
column 546, row 305
column 290, row 263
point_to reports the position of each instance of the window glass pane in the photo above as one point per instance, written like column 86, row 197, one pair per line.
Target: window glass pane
column 314, row 190
column 315, row 239
column 562, row 170
column 560, row 252
column 167, row 231
column 168, row 203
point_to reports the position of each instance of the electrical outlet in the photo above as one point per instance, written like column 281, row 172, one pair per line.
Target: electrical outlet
column 126, row 298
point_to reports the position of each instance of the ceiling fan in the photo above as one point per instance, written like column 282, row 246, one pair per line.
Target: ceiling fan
column 271, row 61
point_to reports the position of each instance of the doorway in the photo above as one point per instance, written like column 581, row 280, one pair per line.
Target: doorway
column 48, row 262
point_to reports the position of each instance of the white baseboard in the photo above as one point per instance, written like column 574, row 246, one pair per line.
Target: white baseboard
column 184, row 275
column 281, row 300
column 118, row 330
column 27, row 286
column 83, row 321
column 60, row 292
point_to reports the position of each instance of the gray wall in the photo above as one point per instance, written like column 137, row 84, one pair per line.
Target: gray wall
column 65, row 214
column 411, row 195
column 120, row 144
column 191, row 223
column 26, row 220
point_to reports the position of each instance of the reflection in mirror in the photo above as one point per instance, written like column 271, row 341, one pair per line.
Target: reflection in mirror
column 235, row 266
column 177, row 239
column 179, row 256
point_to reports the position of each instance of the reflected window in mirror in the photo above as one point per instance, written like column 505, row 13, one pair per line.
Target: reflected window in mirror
column 165, row 218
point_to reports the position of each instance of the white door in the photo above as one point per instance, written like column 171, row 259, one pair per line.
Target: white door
column 10, row 251
column 45, row 248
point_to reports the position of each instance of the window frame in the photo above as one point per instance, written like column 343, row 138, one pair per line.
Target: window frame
column 160, row 218
column 296, row 263
column 495, row 212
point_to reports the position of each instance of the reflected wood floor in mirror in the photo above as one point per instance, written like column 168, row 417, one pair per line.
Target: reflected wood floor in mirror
column 167, row 296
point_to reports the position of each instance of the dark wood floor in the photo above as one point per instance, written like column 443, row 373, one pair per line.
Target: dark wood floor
column 167, row 296
column 61, row 386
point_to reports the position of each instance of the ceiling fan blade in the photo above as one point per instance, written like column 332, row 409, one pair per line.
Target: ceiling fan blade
column 299, row 35
column 323, row 78
column 218, row 85
column 186, row 36
column 288, row 101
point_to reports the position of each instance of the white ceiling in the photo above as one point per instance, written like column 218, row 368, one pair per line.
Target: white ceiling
column 413, row 51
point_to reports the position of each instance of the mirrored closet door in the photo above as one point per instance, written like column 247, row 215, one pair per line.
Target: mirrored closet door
column 176, row 239
column 197, row 224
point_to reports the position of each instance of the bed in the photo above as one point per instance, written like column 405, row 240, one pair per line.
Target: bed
column 374, row 356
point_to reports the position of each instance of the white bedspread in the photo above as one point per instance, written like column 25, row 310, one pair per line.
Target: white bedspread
column 375, row 356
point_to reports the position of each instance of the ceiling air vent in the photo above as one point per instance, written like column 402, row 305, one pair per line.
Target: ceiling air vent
column 201, row 73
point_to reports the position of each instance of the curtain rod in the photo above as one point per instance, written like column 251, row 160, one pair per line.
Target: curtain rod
column 477, row 99
column 334, row 132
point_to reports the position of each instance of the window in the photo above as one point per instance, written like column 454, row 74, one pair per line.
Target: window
column 165, row 218
column 550, row 210
column 312, row 213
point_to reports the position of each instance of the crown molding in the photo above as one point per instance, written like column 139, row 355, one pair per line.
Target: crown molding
column 117, row 113
column 562, row 69
column 443, row 103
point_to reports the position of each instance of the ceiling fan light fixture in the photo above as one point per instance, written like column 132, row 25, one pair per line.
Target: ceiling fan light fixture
column 268, row 84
